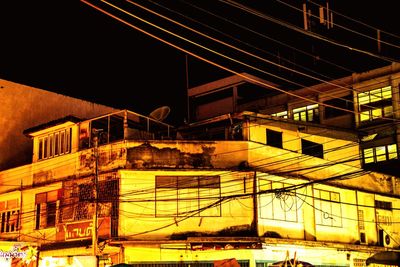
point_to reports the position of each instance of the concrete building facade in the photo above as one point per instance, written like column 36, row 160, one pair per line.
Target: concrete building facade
column 22, row 107
column 258, row 197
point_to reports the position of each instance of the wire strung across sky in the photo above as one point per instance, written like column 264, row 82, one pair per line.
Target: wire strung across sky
column 213, row 62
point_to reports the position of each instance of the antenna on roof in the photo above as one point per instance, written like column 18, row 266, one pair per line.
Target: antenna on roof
column 159, row 114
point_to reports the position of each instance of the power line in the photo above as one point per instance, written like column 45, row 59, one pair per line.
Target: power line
column 340, row 26
column 297, row 29
column 220, row 54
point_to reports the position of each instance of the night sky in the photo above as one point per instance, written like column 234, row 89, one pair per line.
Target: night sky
column 70, row 48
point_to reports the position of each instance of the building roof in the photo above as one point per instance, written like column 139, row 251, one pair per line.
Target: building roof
column 69, row 118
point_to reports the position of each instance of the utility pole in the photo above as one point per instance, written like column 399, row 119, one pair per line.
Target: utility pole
column 96, row 185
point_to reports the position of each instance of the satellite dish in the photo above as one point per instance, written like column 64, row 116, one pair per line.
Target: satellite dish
column 159, row 114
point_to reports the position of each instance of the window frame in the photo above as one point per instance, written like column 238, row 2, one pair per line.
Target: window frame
column 322, row 203
column 43, row 203
column 310, row 113
column 176, row 188
column 9, row 216
column 54, row 144
column 375, row 104
column 370, row 155
column 281, row 114
column 273, row 212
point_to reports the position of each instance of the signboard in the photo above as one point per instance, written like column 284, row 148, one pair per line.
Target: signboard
column 83, row 229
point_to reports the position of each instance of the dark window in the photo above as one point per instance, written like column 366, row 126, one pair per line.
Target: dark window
column 344, row 103
column 363, row 239
column 312, row 149
column 249, row 92
column 51, row 214
column 274, row 138
column 38, row 211
column 385, row 205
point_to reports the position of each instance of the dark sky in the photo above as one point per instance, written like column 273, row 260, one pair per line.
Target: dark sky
column 68, row 47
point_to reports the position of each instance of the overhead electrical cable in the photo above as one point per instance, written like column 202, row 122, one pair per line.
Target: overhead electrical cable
column 342, row 27
column 257, row 57
column 243, row 75
column 358, row 21
column 297, row 29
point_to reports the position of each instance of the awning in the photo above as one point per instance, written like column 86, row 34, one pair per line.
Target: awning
column 385, row 257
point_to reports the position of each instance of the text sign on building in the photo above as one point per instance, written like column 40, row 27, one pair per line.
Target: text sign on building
column 78, row 230
column 83, row 229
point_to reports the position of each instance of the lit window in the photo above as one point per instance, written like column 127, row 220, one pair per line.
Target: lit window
column 307, row 113
column 282, row 114
column 380, row 153
column 375, row 104
column 368, row 155
column 392, row 151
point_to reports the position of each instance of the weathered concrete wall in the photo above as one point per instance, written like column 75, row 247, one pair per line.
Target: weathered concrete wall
column 22, row 107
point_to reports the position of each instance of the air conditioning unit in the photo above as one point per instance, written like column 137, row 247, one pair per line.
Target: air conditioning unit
column 387, row 241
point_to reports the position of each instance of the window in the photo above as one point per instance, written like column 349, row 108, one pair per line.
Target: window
column 46, row 209
column 9, row 216
column 274, row 138
column 328, row 210
column 344, row 103
column 55, row 144
column 282, row 114
column 278, row 206
column 188, row 196
column 380, row 153
column 375, row 104
column 312, row 149
column 307, row 113
column 384, row 205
